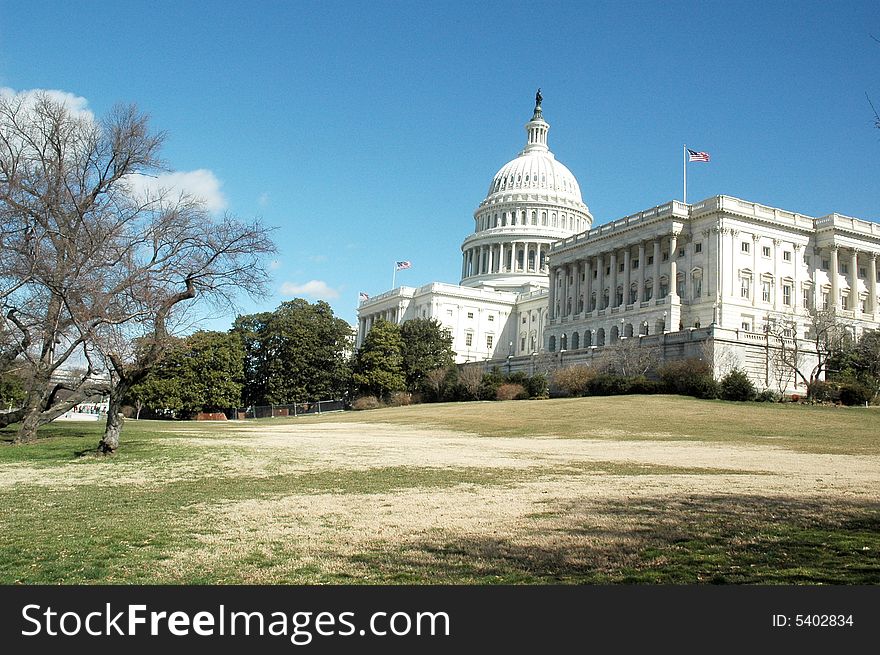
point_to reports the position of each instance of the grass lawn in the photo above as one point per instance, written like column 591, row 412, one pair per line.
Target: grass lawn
column 630, row 489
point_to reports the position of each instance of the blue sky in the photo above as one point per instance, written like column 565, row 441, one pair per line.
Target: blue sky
column 367, row 132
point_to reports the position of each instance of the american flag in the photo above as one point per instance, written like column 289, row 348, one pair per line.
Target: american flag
column 402, row 265
column 693, row 155
column 363, row 296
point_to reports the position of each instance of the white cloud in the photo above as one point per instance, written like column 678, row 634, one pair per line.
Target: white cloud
column 76, row 104
column 200, row 183
column 313, row 288
column 263, row 200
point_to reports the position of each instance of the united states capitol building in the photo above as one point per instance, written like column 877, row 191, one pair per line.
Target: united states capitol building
column 539, row 285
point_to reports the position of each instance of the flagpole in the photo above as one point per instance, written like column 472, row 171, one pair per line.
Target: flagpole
column 684, row 166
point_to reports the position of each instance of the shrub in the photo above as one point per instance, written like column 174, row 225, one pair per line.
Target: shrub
column 536, row 386
column 768, row 396
column 853, row 393
column 822, row 392
column 574, row 380
column 400, row 399
column 366, row 402
column 608, row 384
column 642, row 385
column 508, row 391
column 689, row 377
column 737, row 386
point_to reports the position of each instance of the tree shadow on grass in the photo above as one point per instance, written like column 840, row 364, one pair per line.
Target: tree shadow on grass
column 720, row 539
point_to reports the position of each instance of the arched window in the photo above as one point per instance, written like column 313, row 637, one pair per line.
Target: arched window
column 649, row 290
column 575, row 341
column 563, row 343
column 553, row 219
column 588, row 338
column 615, row 334
column 593, row 301
column 633, row 294
column 552, row 345
column 543, row 218
column 628, row 330
column 534, row 218
column 618, row 296
column 605, row 299
column 664, row 287
column 600, row 337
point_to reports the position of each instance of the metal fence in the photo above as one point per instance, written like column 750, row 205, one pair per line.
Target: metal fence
column 279, row 411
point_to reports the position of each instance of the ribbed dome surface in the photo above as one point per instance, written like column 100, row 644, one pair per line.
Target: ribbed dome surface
column 536, row 172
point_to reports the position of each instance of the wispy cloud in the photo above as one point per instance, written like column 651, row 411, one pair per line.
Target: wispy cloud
column 313, row 288
column 76, row 104
column 201, row 183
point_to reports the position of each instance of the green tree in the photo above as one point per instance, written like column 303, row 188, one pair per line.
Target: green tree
column 378, row 369
column 12, row 391
column 203, row 373
column 425, row 346
column 298, row 353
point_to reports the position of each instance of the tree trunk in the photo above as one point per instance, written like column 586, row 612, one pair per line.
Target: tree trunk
column 27, row 431
column 110, row 441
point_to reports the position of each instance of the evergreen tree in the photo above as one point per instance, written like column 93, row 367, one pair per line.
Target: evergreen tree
column 378, row 369
column 425, row 346
column 295, row 354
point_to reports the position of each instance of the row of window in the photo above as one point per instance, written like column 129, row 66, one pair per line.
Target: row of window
column 565, row 221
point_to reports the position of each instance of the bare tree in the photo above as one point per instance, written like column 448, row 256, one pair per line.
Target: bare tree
column 628, row 357
column 789, row 361
column 89, row 264
column 471, row 376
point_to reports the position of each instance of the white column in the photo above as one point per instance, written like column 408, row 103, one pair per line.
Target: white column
column 835, row 279
column 577, row 287
column 554, row 277
column 756, row 277
column 872, row 284
column 673, row 267
column 854, row 283
column 656, row 292
column 612, row 283
column 588, row 286
column 777, row 286
column 627, row 276
column 641, row 290
column 796, row 292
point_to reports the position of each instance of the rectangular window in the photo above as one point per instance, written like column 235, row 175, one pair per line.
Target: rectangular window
column 744, row 287
column 620, row 268
column 698, row 287
column 746, row 326
column 863, row 272
column 607, row 270
column 665, row 256
column 786, row 294
column 824, row 301
column 843, row 301
column 786, row 255
column 491, row 318
column 844, row 269
column 522, row 344
column 745, row 246
column 524, row 320
column 861, row 304
column 470, row 314
column 765, row 291
column 765, row 251
column 698, row 247
column 826, row 264
column 489, row 340
column 635, row 263
column 469, row 339
column 681, row 252
column 449, row 312
column 595, row 273
column 807, row 295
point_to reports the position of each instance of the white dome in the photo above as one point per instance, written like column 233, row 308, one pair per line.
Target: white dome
column 533, row 201
column 536, row 172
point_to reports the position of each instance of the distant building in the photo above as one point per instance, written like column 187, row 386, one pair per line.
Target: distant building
column 690, row 279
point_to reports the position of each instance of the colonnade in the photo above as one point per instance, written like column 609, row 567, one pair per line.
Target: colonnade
column 513, row 257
